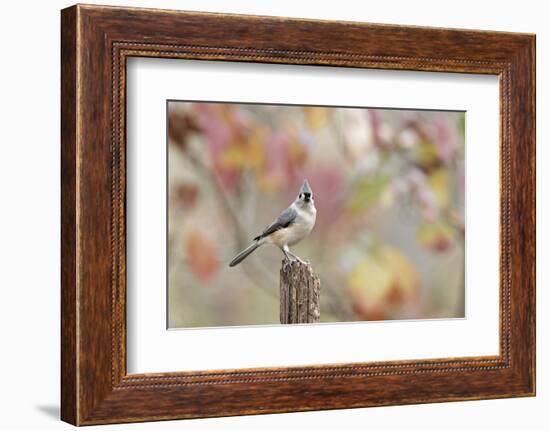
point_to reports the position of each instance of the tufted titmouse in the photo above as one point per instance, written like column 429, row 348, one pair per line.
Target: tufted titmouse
column 292, row 226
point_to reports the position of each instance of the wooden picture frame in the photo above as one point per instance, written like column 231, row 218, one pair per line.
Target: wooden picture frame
column 96, row 41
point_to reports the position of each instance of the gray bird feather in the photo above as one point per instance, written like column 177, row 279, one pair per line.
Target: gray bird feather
column 284, row 220
column 305, row 187
column 243, row 254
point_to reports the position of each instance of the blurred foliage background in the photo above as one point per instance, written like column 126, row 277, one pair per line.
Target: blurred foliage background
column 389, row 191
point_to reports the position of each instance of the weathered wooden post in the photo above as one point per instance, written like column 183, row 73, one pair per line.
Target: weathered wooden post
column 300, row 293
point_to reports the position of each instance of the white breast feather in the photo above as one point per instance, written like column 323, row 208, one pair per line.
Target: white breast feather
column 298, row 230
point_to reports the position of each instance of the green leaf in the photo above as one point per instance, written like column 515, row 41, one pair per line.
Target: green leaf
column 366, row 193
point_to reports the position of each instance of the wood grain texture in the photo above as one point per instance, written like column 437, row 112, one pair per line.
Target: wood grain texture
column 300, row 300
column 96, row 41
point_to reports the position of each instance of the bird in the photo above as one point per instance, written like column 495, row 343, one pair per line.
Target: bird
column 293, row 225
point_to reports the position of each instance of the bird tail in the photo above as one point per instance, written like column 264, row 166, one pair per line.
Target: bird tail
column 244, row 254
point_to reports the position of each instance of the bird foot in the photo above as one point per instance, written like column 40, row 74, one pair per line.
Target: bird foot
column 291, row 257
column 297, row 259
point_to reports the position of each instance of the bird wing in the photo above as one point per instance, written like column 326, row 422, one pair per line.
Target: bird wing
column 284, row 220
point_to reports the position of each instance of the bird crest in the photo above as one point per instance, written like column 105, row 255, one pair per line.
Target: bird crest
column 305, row 188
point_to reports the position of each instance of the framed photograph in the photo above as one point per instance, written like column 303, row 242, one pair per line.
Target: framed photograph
column 264, row 214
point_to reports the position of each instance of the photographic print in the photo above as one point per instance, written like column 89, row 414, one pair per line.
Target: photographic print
column 250, row 216
column 283, row 214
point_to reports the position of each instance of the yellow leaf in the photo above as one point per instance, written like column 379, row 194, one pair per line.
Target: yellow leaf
column 256, row 149
column 437, row 236
column 370, row 281
column 315, row 116
column 297, row 153
column 233, row 157
column 406, row 279
column 245, row 154
column 426, row 154
column 438, row 181
column 367, row 192
column 383, row 280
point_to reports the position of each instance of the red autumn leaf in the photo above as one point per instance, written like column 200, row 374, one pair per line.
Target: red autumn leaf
column 180, row 126
column 186, row 195
column 219, row 133
column 202, row 255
